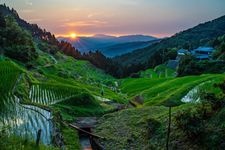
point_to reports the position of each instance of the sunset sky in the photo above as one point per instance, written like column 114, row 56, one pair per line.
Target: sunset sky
column 117, row 17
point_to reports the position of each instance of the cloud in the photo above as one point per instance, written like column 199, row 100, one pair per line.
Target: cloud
column 97, row 14
column 129, row 2
column 90, row 15
column 29, row 3
column 35, row 20
column 64, row 20
column 76, row 9
column 27, row 11
column 84, row 23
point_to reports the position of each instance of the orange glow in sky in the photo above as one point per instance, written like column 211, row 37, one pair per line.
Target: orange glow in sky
column 118, row 17
column 73, row 35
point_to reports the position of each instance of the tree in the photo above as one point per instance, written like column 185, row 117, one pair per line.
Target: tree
column 18, row 42
column 204, row 121
column 2, row 21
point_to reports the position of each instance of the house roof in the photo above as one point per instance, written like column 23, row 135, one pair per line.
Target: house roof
column 202, row 56
column 204, row 49
column 182, row 51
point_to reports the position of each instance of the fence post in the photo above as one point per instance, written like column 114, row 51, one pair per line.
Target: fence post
column 38, row 137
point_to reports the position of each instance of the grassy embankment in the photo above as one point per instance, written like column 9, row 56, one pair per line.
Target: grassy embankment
column 83, row 81
column 164, row 90
column 146, row 127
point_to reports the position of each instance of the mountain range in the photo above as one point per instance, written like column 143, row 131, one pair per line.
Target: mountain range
column 111, row 45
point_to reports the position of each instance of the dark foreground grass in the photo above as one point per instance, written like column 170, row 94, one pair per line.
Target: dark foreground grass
column 71, row 138
column 17, row 143
column 81, row 105
column 132, row 128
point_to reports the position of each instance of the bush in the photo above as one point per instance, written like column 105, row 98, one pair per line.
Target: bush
column 153, row 125
column 17, row 42
column 83, row 99
column 205, row 122
column 191, row 124
column 213, row 101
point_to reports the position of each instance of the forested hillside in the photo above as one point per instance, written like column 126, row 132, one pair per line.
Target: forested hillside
column 158, row 53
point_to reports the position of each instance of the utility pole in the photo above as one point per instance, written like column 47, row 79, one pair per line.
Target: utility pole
column 168, row 132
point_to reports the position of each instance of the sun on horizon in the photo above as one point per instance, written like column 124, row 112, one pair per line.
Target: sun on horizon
column 73, row 35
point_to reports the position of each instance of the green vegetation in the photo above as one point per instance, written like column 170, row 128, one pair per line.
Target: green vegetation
column 164, row 71
column 68, row 67
column 189, row 66
column 160, row 71
column 16, row 42
column 164, row 90
column 38, row 74
column 219, row 44
column 164, row 50
column 147, row 126
column 80, row 74
column 131, row 128
column 71, row 138
column 9, row 73
column 80, row 105
column 14, row 142
column 204, row 122
column 70, row 98
column 46, row 93
column 149, row 73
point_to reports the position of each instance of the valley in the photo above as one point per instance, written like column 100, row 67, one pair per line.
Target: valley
column 68, row 99
column 55, row 96
column 111, row 46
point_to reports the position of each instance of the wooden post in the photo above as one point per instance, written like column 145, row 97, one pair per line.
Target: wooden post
column 38, row 137
column 168, row 132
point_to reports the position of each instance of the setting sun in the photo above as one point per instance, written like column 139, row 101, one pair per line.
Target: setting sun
column 73, row 35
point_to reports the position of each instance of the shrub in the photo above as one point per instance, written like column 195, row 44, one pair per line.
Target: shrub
column 191, row 123
column 83, row 99
column 18, row 43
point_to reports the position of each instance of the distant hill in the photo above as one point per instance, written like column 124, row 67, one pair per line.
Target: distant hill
column 123, row 48
column 108, row 44
column 200, row 35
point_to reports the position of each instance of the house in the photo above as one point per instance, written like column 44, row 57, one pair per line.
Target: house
column 203, row 53
column 181, row 53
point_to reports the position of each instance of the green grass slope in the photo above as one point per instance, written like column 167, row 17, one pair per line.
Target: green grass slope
column 9, row 72
column 165, row 90
column 68, row 67
column 160, row 71
column 82, row 74
column 68, row 97
column 130, row 129
column 146, row 127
